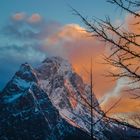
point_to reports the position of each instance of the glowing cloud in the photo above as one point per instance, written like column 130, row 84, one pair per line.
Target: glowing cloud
column 75, row 44
column 19, row 16
column 34, row 18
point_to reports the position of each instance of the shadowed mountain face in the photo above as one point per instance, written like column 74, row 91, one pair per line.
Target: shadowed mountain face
column 49, row 103
column 28, row 114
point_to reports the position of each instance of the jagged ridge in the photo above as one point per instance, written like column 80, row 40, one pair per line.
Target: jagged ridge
column 28, row 114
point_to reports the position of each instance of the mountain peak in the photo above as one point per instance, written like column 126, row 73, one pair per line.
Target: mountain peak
column 26, row 72
column 56, row 59
column 52, row 65
column 25, row 67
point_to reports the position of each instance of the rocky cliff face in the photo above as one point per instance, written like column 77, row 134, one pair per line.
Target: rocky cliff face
column 28, row 114
column 67, row 92
column 51, row 102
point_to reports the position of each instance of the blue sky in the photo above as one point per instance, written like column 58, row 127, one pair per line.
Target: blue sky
column 57, row 10
column 21, row 40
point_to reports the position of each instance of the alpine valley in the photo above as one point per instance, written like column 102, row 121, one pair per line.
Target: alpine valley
column 50, row 102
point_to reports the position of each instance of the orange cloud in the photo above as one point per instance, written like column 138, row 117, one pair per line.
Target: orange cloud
column 133, row 24
column 34, row 18
column 127, row 104
column 75, row 44
column 19, row 16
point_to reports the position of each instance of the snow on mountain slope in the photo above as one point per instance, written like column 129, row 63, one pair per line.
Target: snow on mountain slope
column 66, row 90
column 26, row 112
column 55, row 98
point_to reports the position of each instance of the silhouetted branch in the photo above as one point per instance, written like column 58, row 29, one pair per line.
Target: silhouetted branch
column 124, row 47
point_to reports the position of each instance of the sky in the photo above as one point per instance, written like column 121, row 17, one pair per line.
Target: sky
column 32, row 30
column 56, row 10
column 53, row 12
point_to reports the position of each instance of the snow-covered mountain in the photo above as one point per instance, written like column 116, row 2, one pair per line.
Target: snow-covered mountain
column 51, row 101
